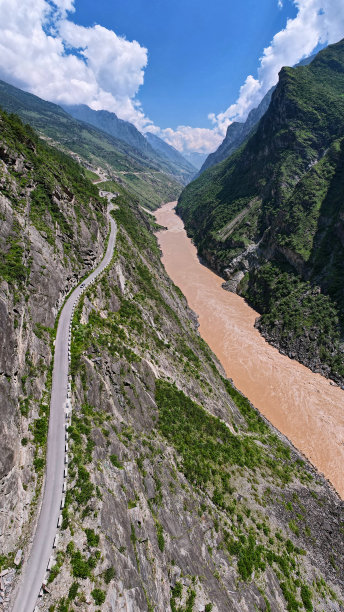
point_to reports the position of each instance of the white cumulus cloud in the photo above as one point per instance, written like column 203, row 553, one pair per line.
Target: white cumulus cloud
column 43, row 51
column 317, row 22
column 186, row 138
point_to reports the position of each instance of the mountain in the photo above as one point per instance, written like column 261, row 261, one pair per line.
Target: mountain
column 196, row 159
column 109, row 122
column 270, row 217
column 122, row 162
column 52, row 231
column 163, row 148
column 180, row 496
column 236, row 133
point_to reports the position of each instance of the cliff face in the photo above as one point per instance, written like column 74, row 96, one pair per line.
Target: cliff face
column 179, row 496
column 277, row 200
column 52, row 231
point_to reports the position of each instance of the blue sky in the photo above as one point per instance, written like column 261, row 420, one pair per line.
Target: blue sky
column 199, row 52
column 183, row 70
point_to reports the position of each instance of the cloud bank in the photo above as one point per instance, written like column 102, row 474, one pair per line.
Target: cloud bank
column 44, row 52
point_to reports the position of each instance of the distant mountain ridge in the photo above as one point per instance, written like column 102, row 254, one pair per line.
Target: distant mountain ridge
column 109, row 123
column 195, row 158
column 237, row 132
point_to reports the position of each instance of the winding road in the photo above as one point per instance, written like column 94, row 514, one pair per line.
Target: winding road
column 57, row 446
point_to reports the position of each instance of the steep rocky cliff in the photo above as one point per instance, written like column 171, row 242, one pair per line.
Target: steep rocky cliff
column 180, row 496
column 272, row 214
column 52, row 231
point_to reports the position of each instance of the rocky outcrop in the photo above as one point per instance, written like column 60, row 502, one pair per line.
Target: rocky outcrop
column 41, row 260
column 153, row 535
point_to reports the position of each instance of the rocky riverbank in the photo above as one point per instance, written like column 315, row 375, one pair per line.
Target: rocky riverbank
column 304, row 348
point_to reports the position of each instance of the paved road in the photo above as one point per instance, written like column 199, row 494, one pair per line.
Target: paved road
column 35, row 568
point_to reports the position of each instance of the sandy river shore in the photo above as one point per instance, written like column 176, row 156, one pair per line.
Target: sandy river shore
column 302, row 405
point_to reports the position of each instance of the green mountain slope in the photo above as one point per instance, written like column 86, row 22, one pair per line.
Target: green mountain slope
column 278, row 199
column 108, row 122
column 236, row 133
column 121, row 160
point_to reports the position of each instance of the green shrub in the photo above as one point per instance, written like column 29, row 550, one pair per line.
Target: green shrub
column 109, row 574
column 98, row 596
column 116, row 462
column 177, row 590
column 73, row 591
column 92, row 537
column 40, row 430
column 306, row 596
column 80, row 566
column 38, row 464
column 160, row 536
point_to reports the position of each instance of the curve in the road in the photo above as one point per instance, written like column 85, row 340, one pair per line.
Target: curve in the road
column 57, row 445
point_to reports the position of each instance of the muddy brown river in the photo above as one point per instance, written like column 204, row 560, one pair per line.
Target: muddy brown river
column 302, row 405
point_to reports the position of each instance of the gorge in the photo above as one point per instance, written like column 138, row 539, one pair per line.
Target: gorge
column 304, row 406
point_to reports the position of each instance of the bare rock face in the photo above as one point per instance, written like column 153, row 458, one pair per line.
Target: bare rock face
column 147, row 516
column 39, row 264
